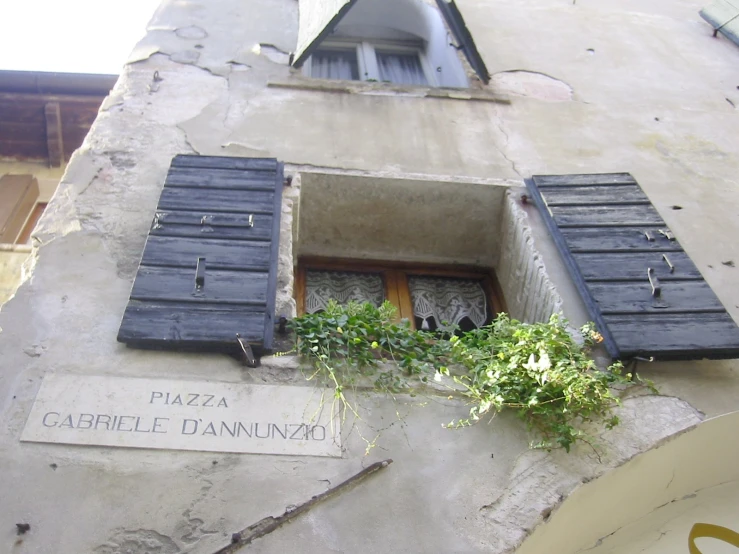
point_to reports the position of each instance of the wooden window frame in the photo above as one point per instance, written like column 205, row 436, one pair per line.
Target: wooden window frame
column 395, row 278
column 366, row 52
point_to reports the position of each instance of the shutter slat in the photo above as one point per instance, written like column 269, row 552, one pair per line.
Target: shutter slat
column 220, row 254
column 217, row 226
column 216, row 200
column 609, row 248
column 615, row 239
column 605, row 216
column 194, row 177
column 208, row 271
column 173, row 325
column 596, row 194
column 221, row 286
column 584, row 179
column 218, row 162
column 622, row 266
column 676, row 297
column 672, row 337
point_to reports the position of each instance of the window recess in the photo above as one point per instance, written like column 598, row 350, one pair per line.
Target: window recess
column 432, row 298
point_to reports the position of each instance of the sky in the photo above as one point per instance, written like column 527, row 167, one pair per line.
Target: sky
column 74, row 36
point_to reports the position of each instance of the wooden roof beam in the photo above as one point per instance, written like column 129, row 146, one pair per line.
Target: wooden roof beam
column 54, row 141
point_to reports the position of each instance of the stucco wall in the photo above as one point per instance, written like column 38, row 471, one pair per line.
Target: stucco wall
column 649, row 99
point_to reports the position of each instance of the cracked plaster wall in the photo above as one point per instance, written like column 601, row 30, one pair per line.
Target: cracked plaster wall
column 642, row 102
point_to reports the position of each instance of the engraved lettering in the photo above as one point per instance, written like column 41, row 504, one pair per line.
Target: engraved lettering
column 256, row 431
column 47, row 415
column 209, row 400
column 136, row 428
column 85, row 419
column 276, row 429
column 210, row 430
column 295, row 433
column 192, row 398
column 177, row 400
column 157, row 424
column 313, row 433
column 154, row 396
column 121, row 423
column 222, row 402
column 67, row 422
column 99, row 419
column 228, row 429
column 194, row 425
column 247, row 433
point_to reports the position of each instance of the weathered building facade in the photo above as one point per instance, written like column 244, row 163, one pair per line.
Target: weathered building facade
column 427, row 168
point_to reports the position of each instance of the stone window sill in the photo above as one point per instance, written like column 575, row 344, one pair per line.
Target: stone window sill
column 389, row 89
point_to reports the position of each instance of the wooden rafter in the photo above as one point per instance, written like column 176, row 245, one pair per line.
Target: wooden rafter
column 54, row 141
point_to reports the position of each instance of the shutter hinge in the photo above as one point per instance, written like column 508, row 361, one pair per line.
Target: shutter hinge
column 248, row 354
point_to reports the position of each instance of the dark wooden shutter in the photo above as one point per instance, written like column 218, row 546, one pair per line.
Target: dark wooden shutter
column 642, row 290
column 209, row 267
column 455, row 21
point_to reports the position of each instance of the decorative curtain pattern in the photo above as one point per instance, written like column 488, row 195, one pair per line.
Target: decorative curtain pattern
column 403, row 69
column 448, row 301
column 335, row 64
column 322, row 286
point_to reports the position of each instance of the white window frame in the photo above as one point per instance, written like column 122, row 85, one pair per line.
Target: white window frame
column 367, row 57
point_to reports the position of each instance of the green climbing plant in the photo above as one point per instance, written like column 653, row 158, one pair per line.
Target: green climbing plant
column 543, row 373
column 539, row 370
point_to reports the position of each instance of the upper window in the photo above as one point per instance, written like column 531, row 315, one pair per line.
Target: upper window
column 388, row 62
column 403, row 42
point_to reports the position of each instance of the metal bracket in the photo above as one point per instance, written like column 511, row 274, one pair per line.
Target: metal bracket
column 649, row 236
column 667, row 234
column 251, row 221
column 657, row 300
column 282, row 328
column 669, row 263
column 249, row 358
column 654, row 282
column 200, row 273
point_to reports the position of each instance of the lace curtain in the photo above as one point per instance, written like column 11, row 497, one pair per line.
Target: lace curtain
column 329, row 64
column 447, row 301
column 322, row 286
column 403, row 69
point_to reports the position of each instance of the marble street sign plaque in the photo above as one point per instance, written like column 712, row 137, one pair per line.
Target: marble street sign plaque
column 183, row 415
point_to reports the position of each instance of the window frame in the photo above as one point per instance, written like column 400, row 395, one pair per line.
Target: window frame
column 395, row 279
column 366, row 51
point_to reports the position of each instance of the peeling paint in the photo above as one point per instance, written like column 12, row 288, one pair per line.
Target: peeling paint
column 532, row 84
column 191, row 32
column 138, row 541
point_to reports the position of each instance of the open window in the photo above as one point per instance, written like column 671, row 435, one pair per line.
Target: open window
column 431, row 298
column 403, row 42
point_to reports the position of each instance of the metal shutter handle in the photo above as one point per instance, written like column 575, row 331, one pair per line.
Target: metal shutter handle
column 669, row 263
column 654, row 282
column 649, row 236
column 200, row 273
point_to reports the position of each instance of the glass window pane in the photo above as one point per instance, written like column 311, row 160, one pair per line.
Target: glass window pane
column 403, row 69
column 335, row 64
column 441, row 303
column 322, row 286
